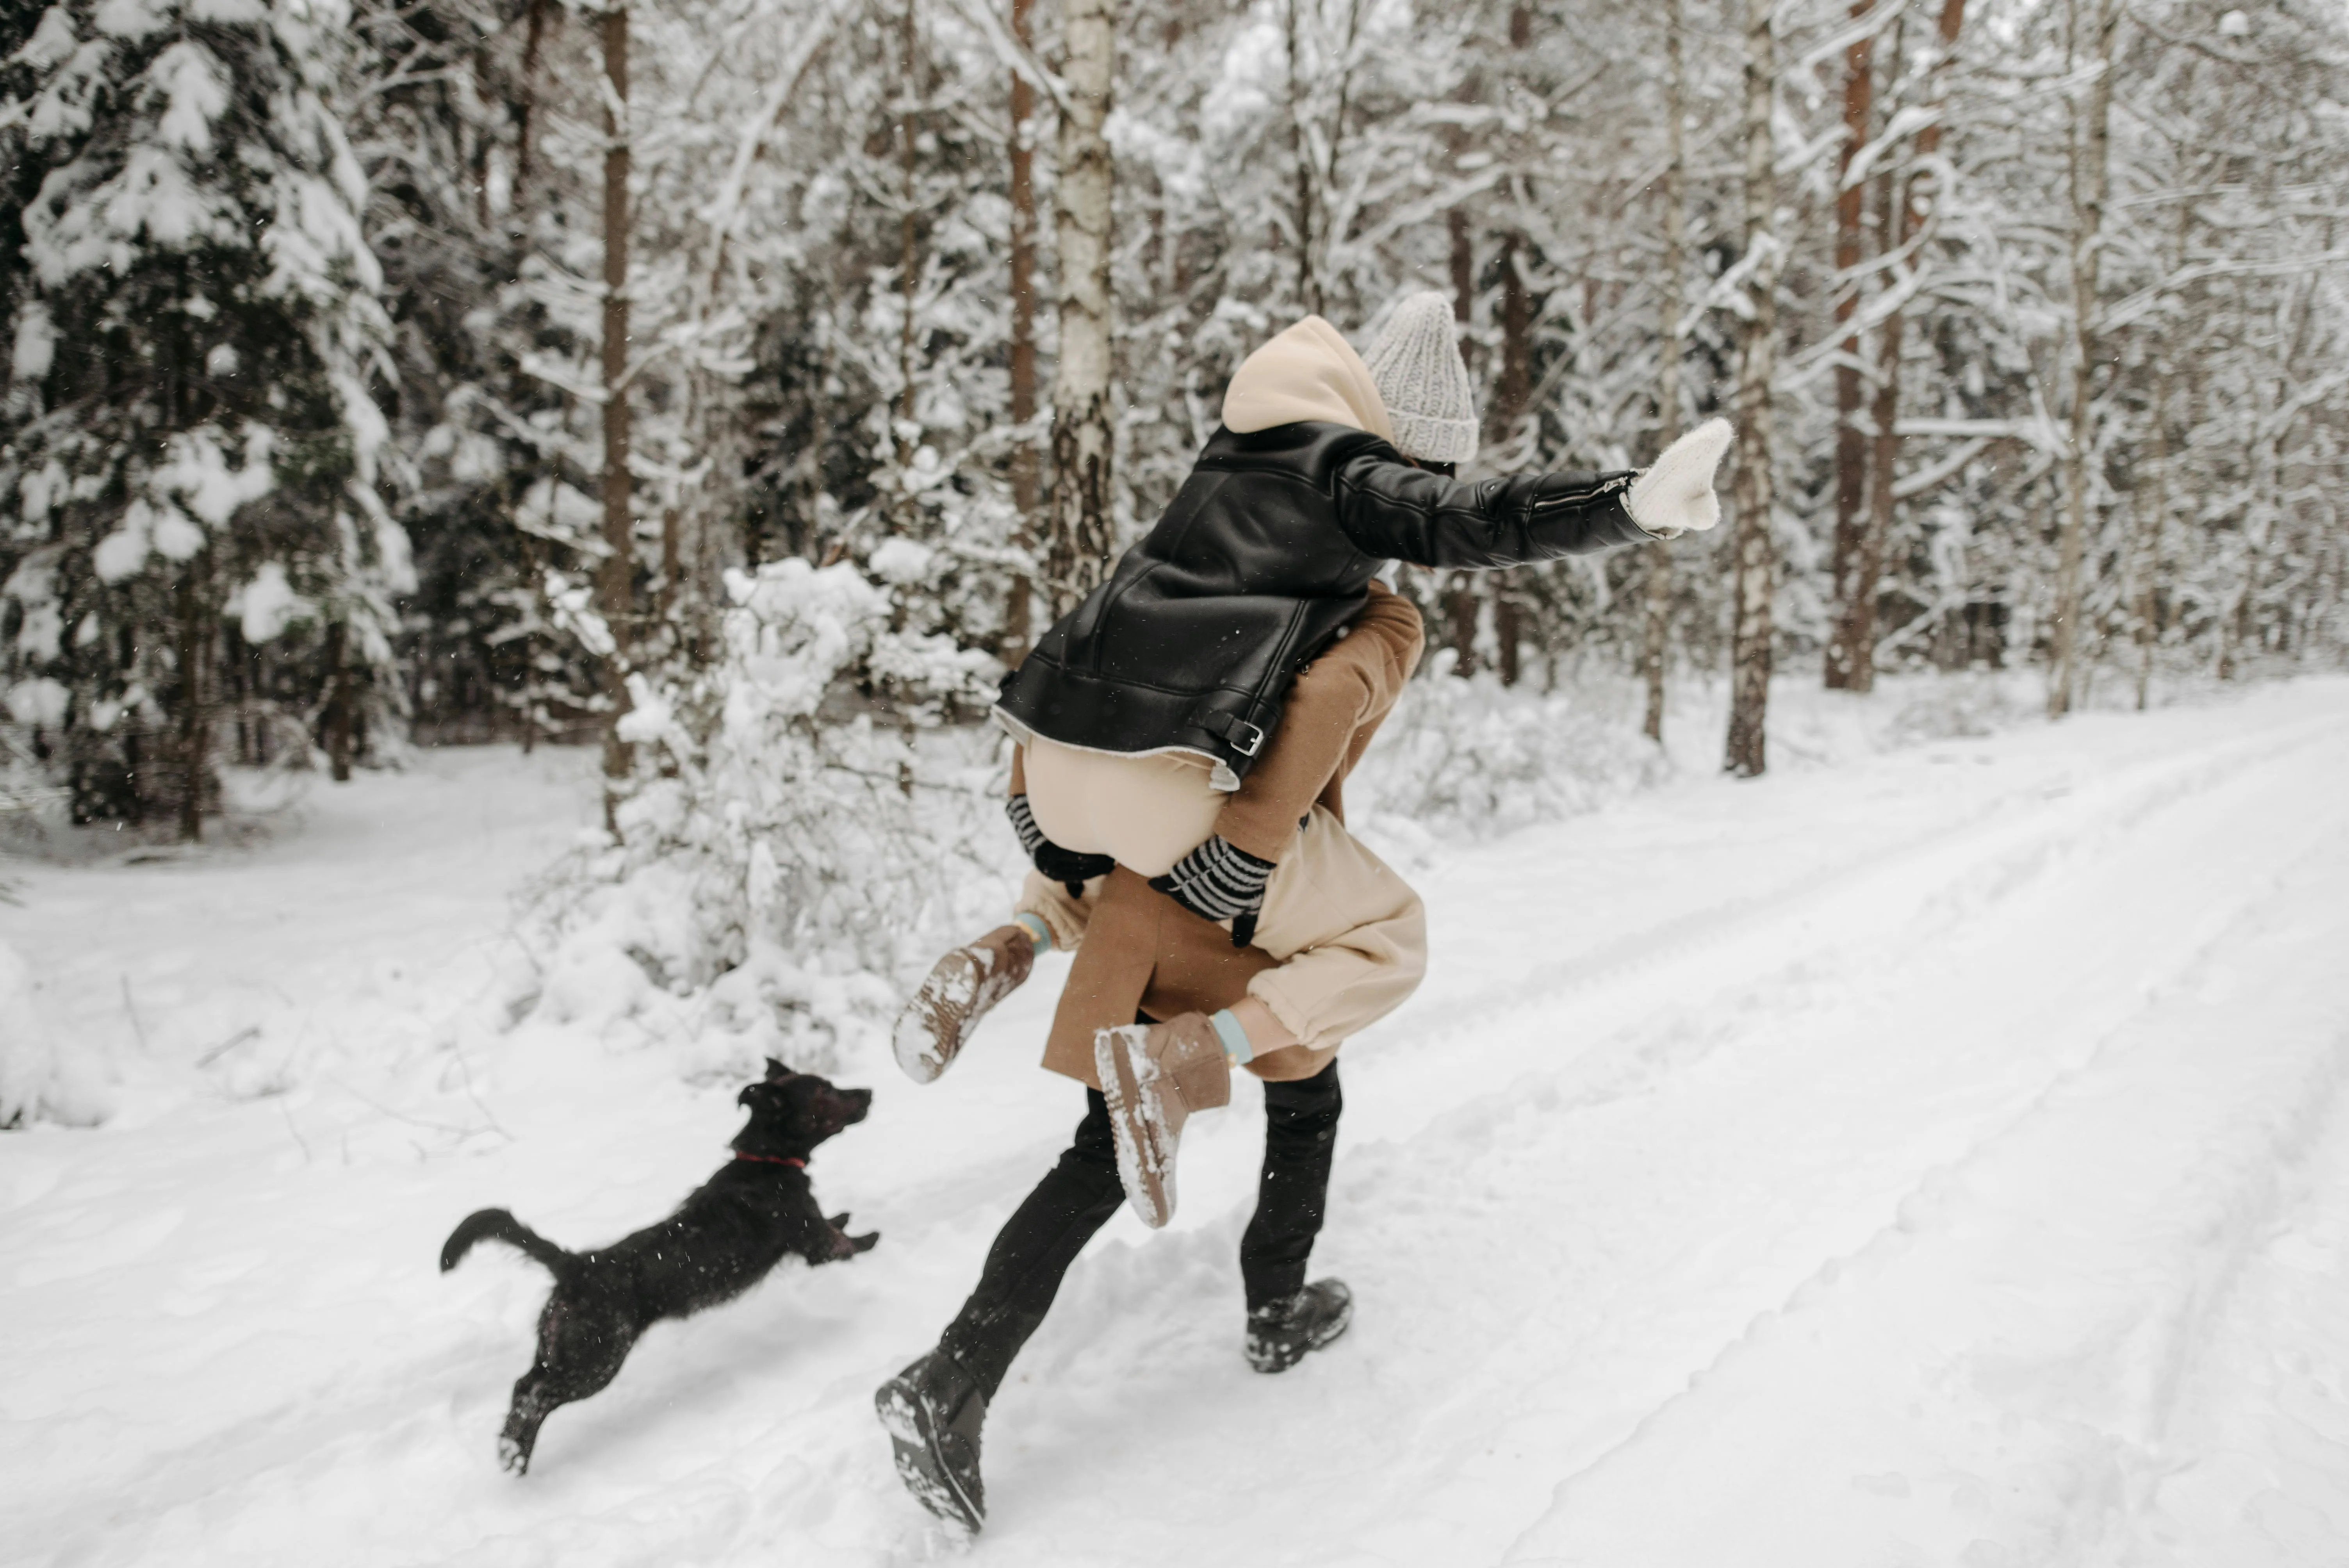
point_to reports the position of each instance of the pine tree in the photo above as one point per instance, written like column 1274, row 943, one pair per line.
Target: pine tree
column 189, row 440
column 449, row 129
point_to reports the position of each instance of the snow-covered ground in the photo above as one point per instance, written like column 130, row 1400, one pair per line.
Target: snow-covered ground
column 1937, row 1158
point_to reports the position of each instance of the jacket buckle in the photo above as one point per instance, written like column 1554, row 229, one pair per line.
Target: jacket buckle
column 1243, row 736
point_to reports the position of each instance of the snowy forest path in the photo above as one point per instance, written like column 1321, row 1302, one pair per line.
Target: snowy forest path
column 1737, row 1117
column 1994, row 1375
column 1935, row 1146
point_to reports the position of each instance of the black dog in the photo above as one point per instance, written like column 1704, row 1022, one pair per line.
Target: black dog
column 721, row 1241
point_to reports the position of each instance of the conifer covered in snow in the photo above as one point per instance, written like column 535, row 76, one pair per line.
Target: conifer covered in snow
column 2046, row 322
column 189, row 442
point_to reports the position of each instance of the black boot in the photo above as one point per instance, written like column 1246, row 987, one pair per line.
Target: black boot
column 1281, row 1333
column 1300, row 1134
column 933, row 1411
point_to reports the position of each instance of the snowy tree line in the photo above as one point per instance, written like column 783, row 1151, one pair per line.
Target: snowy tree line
column 460, row 366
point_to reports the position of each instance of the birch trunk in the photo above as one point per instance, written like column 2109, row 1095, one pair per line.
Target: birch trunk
column 1309, row 280
column 1026, row 469
column 1851, row 445
column 2091, row 146
column 615, row 588
column 909, row 254
column 1657, row 626
column 1083, row 529
column 1757, row 557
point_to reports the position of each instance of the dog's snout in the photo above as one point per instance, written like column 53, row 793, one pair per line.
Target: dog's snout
column 860, row 1100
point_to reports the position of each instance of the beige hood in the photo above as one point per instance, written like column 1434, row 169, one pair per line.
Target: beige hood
column 1309, row 372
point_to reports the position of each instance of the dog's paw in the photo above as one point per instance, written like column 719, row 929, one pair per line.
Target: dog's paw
column 845, row 1247
column 513, row 1456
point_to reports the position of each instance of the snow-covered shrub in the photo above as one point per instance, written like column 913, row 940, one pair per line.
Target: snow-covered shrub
column 1965, row 704
column 799, row 825
column 38, row 1080
column 1474, row 759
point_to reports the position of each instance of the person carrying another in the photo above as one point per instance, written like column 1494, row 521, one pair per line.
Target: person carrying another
column 1183, row 737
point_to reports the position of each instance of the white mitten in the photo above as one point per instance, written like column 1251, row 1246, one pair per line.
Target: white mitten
column 1676, row 495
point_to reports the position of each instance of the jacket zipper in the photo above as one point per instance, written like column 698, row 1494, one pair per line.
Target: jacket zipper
column 1603, row 487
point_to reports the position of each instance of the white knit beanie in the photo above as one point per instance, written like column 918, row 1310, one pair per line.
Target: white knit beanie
column 1415, row 363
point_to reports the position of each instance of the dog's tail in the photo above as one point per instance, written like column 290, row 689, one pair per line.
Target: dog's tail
column 496, row 1224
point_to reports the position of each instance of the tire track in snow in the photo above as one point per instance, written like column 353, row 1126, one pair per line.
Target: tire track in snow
column 1542, row 1265
column 1429, row 1436
column 2035, row 1307
column 1738, row 945
column 2249, row 1461
column 1474, row 1128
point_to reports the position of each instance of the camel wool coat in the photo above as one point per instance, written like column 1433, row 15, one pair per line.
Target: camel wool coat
column 1139, row 952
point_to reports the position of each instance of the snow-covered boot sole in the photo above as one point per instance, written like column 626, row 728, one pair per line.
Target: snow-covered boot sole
column 962, row 988
column 1282, row 1335
column 1131, row 1083
column 917, row 1434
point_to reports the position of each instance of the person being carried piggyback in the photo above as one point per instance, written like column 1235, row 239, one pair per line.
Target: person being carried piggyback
column 1183, row 737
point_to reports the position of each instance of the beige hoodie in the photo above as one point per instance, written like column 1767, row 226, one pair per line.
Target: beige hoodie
column 1309, row 372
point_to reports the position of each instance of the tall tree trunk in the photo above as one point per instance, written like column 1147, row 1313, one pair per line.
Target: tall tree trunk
column 338, row 714
column 1851, row 446
column 616, row 585
column 526, row 112
column 1461, row 607
column 1084, row 530
column 1464, row 266
column 909, row 255
column 235, row 691
column 1513, row 389
column 195, row 720
column 2149, row 565
column 1758, row 554
column 1513, row 393
column 672, row 568
column 1903, row 215
column 1309, row 277
column 2091, row 146
column 1026, row 470
column 1859, row 628
column 1458, row 597
column 1668, row 358
column 1508, row 631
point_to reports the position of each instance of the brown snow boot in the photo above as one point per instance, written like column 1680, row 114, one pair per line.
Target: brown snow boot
column 1154, row 1076
column 963, row 986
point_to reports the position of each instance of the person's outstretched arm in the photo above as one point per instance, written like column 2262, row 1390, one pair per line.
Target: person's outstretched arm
column 1392, row 510
column 1395, row 510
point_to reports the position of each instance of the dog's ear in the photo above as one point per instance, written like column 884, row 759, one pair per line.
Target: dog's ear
column 775, row 1069
column 766, row 1095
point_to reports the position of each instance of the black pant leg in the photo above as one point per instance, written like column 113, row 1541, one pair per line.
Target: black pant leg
column 1300, row 1135
column 1042, row 1238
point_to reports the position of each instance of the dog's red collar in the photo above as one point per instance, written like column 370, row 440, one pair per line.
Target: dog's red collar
column 772, row 1159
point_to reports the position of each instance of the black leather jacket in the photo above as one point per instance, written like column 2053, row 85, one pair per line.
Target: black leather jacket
column 1263, row 557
